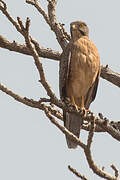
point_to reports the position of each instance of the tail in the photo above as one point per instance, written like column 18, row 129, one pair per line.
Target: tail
column 73, row 123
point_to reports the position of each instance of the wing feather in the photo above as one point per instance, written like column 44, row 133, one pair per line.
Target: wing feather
column 91, row 94
column 64, row 70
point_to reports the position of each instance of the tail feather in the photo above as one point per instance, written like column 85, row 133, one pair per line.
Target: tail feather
column 73, row 123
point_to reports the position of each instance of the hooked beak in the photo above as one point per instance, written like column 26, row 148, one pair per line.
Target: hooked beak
column 82, row 31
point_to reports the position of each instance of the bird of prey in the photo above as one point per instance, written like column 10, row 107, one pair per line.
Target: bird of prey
column 78, row 76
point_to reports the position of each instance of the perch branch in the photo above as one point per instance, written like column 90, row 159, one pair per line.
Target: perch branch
column 30, row 102
column 86, row 148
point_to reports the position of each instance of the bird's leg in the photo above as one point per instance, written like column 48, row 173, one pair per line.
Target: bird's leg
column 82, row 103
column 83, row 106
column 73, row 102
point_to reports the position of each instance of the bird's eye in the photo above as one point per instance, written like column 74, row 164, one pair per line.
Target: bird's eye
column 81, row 25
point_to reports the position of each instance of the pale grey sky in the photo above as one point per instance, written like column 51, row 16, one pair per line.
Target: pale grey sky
column 31, row 148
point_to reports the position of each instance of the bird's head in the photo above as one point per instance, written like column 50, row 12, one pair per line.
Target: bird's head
column 78, row 29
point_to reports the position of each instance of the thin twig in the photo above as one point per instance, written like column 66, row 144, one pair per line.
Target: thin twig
column 91, row 132
column 7, row 14
column 74, row 171
column 23, row 49
column 50, row 19
column 30, row 102
column 38, row 6
column 55, row 26
column 95, row 168
column 115, row 170
column 63, row 129
column 25, row 33
column 46, row 52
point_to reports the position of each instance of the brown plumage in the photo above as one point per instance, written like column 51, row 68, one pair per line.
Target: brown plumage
column 79, row 75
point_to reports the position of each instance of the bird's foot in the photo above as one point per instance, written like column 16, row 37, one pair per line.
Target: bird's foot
column 77, row 107
column 85, row 112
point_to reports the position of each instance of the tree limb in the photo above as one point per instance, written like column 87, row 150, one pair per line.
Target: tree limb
column 86, row 148
column 63, row 129
column 55, row 26
column 106, row 125
column 50, row 19
column 23, row 49
column 111, row 76
column 30, row 102
column 90, row 161
column 46, row 52
column 95, row 168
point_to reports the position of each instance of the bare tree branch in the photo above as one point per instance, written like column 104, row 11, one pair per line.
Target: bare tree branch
column 63, row 129
column 91, row 131
column 38, row 6
column 106, row 125
column 87, row 151
column 106, row 73
column 23, row 49
column 56, row 27
column 26, row 101
column 50, row 19
column 7, row 14
column 30, row 102
column 74, row 171
column 115, row 170
column 46, row 52
column 111, row 76
column 25, row 33
column 95, row 168
column 98, row 129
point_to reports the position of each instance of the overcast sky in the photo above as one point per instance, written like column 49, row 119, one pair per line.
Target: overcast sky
column 31, row 148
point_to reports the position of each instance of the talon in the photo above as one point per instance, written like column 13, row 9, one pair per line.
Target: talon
column 74, row 104
column 84, row 112
column 77, row 107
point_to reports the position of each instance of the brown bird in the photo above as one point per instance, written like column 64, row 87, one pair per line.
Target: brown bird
column 78, row 76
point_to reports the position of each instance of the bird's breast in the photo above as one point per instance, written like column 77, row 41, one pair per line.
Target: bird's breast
column 83, row 68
